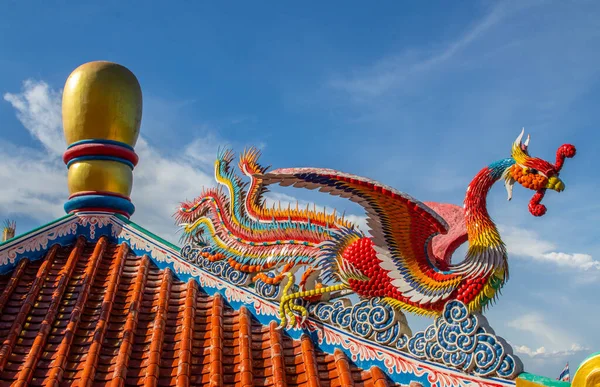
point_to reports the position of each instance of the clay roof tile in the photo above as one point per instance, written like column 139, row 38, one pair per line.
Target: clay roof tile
column 93, row 313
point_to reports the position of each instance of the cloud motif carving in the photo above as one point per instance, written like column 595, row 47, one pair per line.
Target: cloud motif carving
column 371, row 319
column 465, row 341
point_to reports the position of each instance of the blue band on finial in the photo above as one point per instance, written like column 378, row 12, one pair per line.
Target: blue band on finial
column 101, row 141
column 99, row 201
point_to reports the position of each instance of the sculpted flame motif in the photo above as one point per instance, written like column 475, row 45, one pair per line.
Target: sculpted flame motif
column 406, row 262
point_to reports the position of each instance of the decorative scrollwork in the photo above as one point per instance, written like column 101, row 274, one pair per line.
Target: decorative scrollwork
column 266, row 290
column 371, row 319
column 221, row 269
column 190, row 254
column 465, row 341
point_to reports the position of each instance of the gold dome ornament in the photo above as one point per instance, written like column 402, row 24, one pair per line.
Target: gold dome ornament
column 102, row 112
column 588, row 373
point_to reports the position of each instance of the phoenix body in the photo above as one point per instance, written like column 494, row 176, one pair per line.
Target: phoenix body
column 406, row 258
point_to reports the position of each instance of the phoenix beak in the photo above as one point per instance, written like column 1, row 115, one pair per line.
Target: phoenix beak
column 556, row 184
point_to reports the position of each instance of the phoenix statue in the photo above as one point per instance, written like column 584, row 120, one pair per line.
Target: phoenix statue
column 405, row 261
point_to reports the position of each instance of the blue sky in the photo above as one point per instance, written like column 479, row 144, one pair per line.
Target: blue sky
column 419, row 96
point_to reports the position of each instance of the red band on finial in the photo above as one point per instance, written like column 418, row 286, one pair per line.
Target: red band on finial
column 565, row 150
column 100, row 149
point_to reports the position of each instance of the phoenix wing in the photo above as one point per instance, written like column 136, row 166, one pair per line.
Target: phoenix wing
column 402, row 229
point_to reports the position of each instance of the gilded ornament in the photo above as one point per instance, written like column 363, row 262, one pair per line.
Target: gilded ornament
column 102, row 100
column 101, row 176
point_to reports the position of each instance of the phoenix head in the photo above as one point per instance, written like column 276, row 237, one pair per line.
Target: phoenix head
column 535, row 173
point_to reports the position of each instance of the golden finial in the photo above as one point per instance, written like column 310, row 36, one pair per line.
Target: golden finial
column 102, row 112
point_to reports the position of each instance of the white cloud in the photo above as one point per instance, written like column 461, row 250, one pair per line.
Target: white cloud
column 535, row 324
column 525, row 243
column 553, row 343
column 394, row 71
column 39, row 109
column 401, row 87
column 204, row 150
column 160, row 184
column 32, row 183
column 542, row 352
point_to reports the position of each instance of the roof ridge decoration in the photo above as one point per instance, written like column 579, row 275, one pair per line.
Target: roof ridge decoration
column 314, row 263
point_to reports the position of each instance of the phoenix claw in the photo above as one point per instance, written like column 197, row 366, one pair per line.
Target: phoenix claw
column 288, row 309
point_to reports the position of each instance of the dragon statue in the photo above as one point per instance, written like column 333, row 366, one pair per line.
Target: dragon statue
column 406, row 260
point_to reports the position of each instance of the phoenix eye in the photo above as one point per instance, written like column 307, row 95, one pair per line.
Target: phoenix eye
column 533, row 171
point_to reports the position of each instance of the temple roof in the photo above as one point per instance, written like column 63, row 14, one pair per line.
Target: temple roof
column 94, row 297
column 97, row 312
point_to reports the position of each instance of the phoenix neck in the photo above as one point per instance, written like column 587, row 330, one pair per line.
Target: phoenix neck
column 482, row 232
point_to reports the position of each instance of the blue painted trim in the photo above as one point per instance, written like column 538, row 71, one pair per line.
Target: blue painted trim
column 101, row 141
column 34, row 245
column 99, row 201
column 101, row 157
column 34, row 231
column 147, row 234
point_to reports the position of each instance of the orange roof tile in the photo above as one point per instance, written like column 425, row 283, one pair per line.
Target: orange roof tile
column 96, row 314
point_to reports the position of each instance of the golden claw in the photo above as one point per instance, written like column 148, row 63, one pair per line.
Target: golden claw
column 287, row 307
